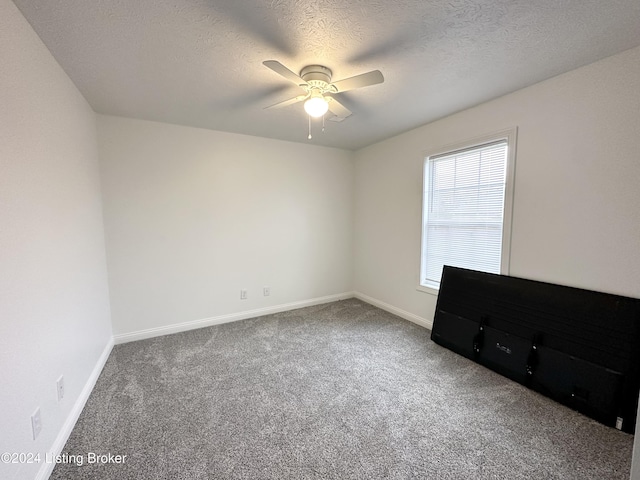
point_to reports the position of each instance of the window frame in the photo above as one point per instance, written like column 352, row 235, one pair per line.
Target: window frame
column 510, row 136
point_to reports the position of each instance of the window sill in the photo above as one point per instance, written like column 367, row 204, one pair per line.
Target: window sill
column 429, row 290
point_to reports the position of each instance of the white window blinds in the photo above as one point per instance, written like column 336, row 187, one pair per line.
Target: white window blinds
column 464, row 206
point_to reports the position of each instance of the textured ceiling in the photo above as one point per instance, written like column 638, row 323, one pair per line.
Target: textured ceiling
column 199, row 63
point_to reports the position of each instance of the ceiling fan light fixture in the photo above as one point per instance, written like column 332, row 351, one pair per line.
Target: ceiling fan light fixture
column 316, row 106
column 316, row 80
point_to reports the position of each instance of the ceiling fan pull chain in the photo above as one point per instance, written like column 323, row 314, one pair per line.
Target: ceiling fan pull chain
column 322, row 123
column 309, row 137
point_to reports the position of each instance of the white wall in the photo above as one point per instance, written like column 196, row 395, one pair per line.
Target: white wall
column 54, row 310
column 577, row 189
column 576, row 217
column 192, row 216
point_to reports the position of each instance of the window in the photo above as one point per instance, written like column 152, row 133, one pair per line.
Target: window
column 467, row 200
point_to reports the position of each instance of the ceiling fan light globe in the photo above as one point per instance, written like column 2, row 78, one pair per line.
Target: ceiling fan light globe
column 316, row 106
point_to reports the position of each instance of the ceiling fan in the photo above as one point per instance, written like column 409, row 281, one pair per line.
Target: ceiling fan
column 319, row 98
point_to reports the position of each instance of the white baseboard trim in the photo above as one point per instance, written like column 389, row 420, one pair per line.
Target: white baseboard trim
column 423, row 322
column 232, row 317
column 74, row 414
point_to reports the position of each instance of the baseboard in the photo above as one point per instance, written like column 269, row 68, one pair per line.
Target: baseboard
column 74, row 414
column 232, row 317
column 423, row 322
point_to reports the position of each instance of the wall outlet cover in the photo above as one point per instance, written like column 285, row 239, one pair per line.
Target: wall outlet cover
column 36, row 423
column 60, row 387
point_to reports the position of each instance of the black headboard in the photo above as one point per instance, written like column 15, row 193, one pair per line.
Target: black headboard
column 580, row 347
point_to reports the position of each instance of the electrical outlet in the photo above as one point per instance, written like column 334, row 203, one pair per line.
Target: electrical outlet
column 266, row 291
column 36, row 423
column 60, row 387
column 243, row 294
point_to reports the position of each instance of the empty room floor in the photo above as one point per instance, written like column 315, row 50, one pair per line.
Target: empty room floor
column 340, row 390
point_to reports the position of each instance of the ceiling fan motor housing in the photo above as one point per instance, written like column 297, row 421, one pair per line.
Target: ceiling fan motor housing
column 317, row 76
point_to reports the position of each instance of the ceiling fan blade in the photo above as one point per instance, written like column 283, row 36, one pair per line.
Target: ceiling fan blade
column 338, row 109
column 359, row 81
column 258, row 21
column 286, row 103
column 284, row 71
column 393, row 45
